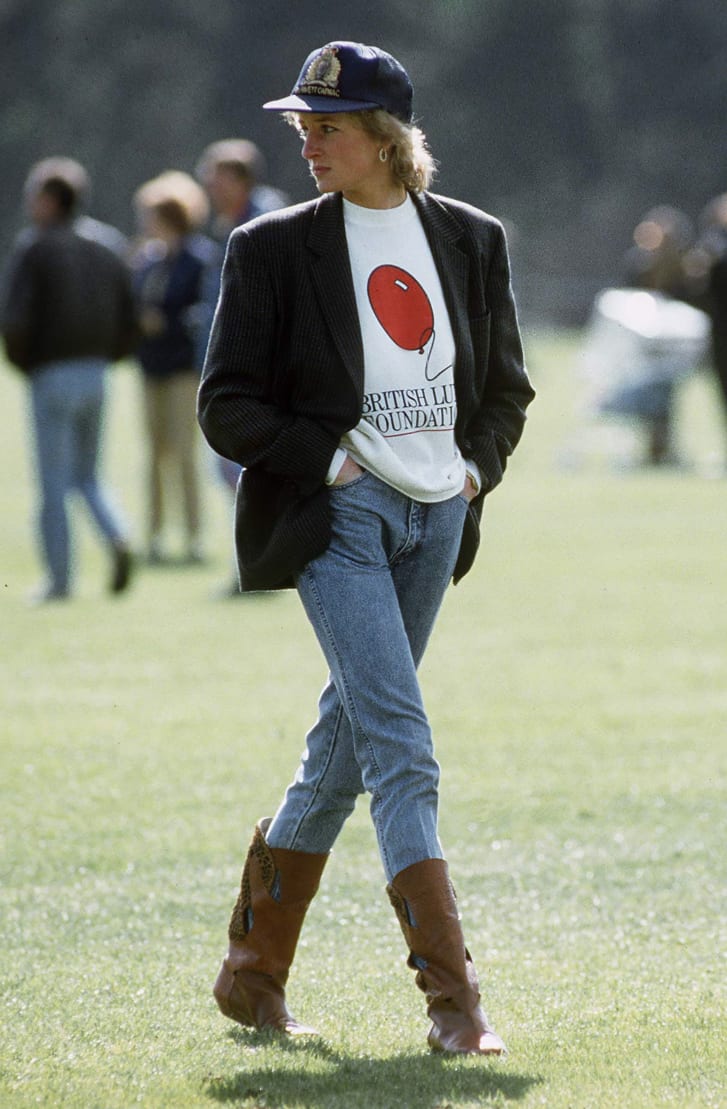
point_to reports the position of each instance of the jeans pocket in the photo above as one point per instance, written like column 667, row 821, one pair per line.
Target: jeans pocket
column 343, row 486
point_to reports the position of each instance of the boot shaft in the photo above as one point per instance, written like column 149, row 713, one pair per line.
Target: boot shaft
column 426, row 906
column 276, row 888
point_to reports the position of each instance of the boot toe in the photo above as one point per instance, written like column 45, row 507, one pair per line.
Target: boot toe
column 292, row 1027
column 465, row 1041
column 490, row 1044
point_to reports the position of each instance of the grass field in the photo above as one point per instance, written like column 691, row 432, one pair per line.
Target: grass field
column 577, row 685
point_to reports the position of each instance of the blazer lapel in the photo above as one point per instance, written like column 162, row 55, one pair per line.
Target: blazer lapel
column 330, row 271
column 452, row 261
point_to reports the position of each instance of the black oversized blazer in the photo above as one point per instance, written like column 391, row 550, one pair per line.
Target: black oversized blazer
column 283, row 376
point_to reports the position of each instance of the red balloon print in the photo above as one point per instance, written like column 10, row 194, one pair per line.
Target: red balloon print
column 401, row 306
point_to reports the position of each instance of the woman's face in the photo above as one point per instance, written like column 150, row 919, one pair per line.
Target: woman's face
column 342, row 157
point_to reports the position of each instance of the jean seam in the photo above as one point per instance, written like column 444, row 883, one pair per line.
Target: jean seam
column 413, row 534
column 316, row 792
column 353, row 718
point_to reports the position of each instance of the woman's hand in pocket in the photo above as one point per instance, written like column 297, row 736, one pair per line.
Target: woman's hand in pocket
column 349, row 471
column 469, row 489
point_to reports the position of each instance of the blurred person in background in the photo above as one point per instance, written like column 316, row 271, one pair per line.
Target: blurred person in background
column 168, row 273
column 656, row 261
column 67, row 312
column 232, row 173
column 83, row 223
column 716, row 305
column 707, row 272
column 365, row 368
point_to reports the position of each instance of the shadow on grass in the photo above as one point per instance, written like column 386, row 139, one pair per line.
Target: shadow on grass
column 315, row 1074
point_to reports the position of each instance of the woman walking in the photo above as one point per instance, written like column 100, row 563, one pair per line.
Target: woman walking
column 365, row 367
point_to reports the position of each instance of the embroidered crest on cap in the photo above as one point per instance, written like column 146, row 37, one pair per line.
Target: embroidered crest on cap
column 321, row 77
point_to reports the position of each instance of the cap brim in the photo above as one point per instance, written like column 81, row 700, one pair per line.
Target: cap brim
column 325, row 104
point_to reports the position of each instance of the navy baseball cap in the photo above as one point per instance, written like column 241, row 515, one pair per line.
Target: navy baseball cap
column 349, row 77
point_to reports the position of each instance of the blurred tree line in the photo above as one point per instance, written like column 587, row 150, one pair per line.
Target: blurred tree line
column 566, row 118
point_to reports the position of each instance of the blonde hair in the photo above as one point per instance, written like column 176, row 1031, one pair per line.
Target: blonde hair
column 410, row 158
column 178, row 199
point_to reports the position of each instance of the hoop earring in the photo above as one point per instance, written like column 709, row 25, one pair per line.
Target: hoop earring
column 383, row 155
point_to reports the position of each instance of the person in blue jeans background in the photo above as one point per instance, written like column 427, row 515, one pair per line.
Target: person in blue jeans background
column 67, row 313
column 365, row 368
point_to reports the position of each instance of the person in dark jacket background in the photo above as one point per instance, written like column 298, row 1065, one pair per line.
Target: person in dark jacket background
column 67, row 313
column 712, row 291
column 365, row 368
column 169, row 270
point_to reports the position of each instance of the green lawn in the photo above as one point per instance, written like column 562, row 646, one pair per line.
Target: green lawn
column 577, row 684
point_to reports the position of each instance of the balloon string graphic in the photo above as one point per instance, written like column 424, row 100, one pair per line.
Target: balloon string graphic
column 430, row 333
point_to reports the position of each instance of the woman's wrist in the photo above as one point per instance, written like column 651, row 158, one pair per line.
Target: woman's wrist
column 337, row 463
column 349, row 471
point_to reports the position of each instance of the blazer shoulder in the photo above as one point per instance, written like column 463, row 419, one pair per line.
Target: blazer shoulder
column 278, row 222
column 467, row 216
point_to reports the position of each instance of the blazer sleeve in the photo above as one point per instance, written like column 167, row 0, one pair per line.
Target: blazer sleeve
column 503, row 389
column 239, row 405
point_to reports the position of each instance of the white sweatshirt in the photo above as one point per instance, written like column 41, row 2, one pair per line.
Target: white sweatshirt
column 406, row 432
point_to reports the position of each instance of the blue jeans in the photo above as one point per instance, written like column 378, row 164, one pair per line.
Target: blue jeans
column 67, row 399
column 372, row 599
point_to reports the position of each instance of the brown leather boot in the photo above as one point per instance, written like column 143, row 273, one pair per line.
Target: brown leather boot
column 277, row 887
column 425, row 904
